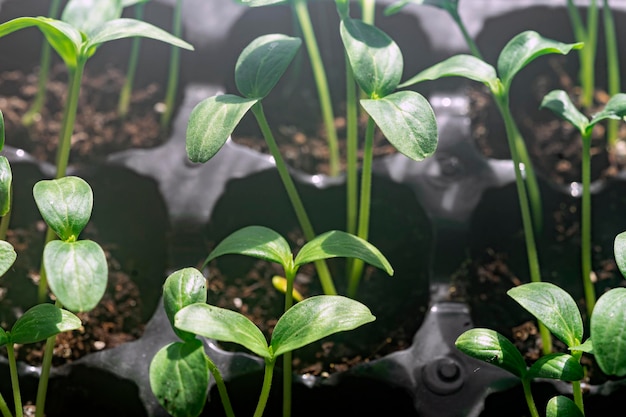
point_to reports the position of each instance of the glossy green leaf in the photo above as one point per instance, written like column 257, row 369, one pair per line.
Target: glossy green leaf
column 587, row 346
column 608, row 332
column 559, row 366
column 179, row 378
column 461, row 65
column 89, row 15
column 65, row 204
column 556, row 309
column 222, row 325
column 489, row 346
column 182, row 288
column 77, row 273
column 619, row 247
column 128, row 28
column 4, row 337
column 62, row 37
column 263, row 62
column 561, row 406
column 7, row 256
column 525, row 48
column 259, row 3
column 211, row 122
column 6, row 179
column 615, row 108
column 407, row 121
column 335, row 244
column 448, row 5
column 559, row 102
column 42, row 321
column 256, row 241
column 376, row 60
column 315, row 318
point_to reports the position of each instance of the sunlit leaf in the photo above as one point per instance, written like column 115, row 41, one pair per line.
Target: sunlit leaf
column 7, row 256
column 42, row 321
column 182, row 288
column 489, row 346
column 561, row 406
column 559, row 366
column 608, row 332
column 559, row 102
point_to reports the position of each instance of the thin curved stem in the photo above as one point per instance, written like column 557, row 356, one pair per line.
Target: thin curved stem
column 221, row 388
column 46, row 364
column 265, row 389
column 4, row 408
column 323, row 91
column 290, row 276
column 172, row 81
column 613, row 72
column 529, row 398
column 127, row 89
column 296, row 202
column 15, row 386
column 352, row 114
column 515, row 143
column 364, row 205
column 468, row 39
column 585, row 246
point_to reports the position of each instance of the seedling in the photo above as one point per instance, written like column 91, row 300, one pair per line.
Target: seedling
column 174, row 68
column 308, row 321
column 560, row 103
column 589, row 36
column 516, row 54
column 6, row 183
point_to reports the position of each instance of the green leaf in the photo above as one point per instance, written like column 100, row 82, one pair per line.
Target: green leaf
column 222, row 325
column 561, row 406
column 619, row 248
column 6, row 179
column 4, row 337
column 263, row 62
column 256, row 241
column 554, row 307
column 179, row 378
column 608, row 332
column 448, row 5
column 525, row 48
column 128, row 28
column 89, row 15
column 559, row 366
column 315, row 318
column 182, row 288
column 335, row 244
column 211, row 122
column 407, row 121
column 615, row 109
column 65, row 205
column 375, row 58
column 489, row 346
column 7, row 256
column 559, row 102
column 587, row 346
column 42, row 321
column 77, row 273
column 62, row 37
column 461, row 65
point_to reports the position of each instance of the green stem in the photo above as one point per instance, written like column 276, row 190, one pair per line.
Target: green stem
column 515, row 144
column 69, row 117
column 221, row 388
column 589, row 53
column 290, row 276
column 352, row 114
column 590, row 293
column 468, row 39
column 127, row 89
column 529, row 398
column 321, row 82
column 307, row 228
column 15, row 386
column 4, row 222
column 42, row 388
column 172, row 82
column 265, row 389
column 577, row 388
column 613, row 73
column 4, row 408
column 44, row 70
column 368, row 11
column 364, row 205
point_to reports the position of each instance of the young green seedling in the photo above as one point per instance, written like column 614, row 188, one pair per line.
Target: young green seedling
column 516, row 54
column 319, row 73
column 405, row 117
column 264, row 243
column 559, row 313
column 6, row 182
column 259, row 67
column 450, row 6
column 559, row 102
column 179, row 372
column 76, row 270
column 127, row 88
column 44, row 69
column 589, row 36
